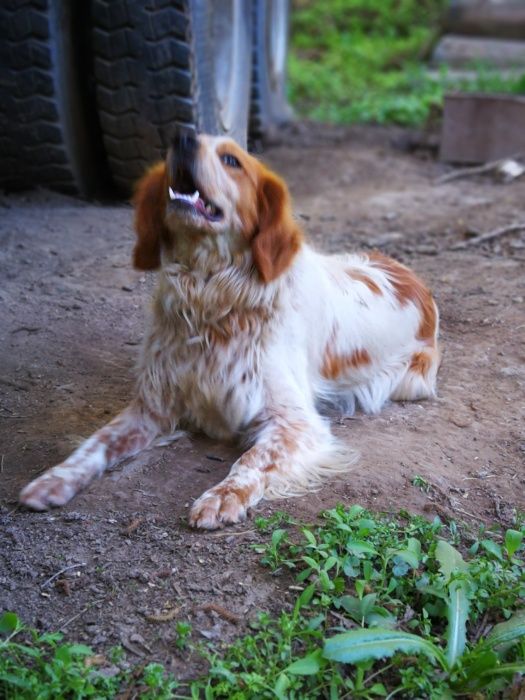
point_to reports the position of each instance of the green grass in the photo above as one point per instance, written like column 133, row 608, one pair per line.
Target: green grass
column 362, row 61
column 384, row 606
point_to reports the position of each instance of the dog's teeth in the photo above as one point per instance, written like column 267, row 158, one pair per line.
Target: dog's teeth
column 172, row 193
column 195, row 196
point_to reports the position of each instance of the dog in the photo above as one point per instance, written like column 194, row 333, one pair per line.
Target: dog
column 251, row 331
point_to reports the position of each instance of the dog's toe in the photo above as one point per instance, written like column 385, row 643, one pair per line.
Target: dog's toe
column 46, row 491
column 212, row 511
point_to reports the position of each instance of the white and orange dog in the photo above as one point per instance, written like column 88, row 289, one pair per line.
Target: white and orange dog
column 250, row 328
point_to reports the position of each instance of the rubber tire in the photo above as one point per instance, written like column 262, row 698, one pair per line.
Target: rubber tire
column 154, row 66
column 46, row 129
column 269, row 104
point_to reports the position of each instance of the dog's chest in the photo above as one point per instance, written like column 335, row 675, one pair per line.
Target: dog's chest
column 219, row 381
column 204, row 369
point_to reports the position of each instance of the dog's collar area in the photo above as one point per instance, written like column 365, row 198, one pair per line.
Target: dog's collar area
column 196, row 203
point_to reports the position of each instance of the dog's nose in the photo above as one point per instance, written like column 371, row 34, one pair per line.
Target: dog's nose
column 184, row 144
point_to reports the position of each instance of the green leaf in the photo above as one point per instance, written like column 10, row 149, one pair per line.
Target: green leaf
column 410, row 554
column 377, row 689
column 513, row 540
column 325, row 582
column 14, row 679
column 457, row 614
column 305, row 597
column 80, row 650
column 360, row 587
column 360, row 547
column 368, row 570
column 9, row 622
column 414, row 545
column 311, row 562
column 505, row 669
column 506, row 632
column 354, row 511
column 449, row 558
column 481, row 662
column 62, row 654
column 280, row 688
column 307, row 666
column 360, row 645
column 277, row 536
column 309, row 536
column 492, row 548
column 330, row 563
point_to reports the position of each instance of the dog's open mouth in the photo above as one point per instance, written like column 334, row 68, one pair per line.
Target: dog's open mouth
column 196, row 203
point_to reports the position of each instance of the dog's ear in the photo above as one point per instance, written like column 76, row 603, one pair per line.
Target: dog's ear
column 150, row 208
column 277, row 238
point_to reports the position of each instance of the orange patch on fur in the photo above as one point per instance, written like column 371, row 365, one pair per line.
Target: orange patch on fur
column 334, row 365
column 278, row 238
column 409, row 288
column 243, row 493
column 246, row 178
column 360, row 276
column 420, row 363
column 150, row 207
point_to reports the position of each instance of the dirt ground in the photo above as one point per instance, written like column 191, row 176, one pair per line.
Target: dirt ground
column 71, row 320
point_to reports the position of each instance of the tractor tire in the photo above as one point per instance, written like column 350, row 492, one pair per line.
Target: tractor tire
column 269, row 105
column 164, row 63
column 47, row 133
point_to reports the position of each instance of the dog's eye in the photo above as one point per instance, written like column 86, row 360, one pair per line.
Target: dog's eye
column 230, row 161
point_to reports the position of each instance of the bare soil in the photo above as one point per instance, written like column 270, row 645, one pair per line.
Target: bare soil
column 72, row 315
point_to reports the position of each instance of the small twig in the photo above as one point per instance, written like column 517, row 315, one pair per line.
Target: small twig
column 489, row 236
column 346, row 622
column 475, row 170
column 231, row 534
column 470, row 515
column 72, row 619
column 27, row 329
column 79, row 614
column 58, row 573
column 226, row 614
column 479, row 629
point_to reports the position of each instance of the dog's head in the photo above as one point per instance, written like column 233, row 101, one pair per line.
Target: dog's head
column 211, row 200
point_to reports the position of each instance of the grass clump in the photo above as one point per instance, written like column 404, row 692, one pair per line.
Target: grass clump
column 382, row 606
column 433, row 602
column 361, row 61
column 37, row 666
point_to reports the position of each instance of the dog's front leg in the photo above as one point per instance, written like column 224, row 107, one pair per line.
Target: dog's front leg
column 128, row 433
column 288, row 457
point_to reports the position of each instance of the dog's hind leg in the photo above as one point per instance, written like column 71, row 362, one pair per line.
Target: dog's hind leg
column 128, row 433
column 419, row 381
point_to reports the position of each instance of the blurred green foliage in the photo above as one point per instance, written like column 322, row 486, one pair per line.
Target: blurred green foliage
column 364, row 61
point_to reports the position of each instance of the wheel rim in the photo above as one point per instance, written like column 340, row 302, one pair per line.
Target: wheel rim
column 276, row 41
column 228, row 42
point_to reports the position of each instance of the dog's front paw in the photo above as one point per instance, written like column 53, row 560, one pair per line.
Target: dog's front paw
column 48, row 490
column 218, row 507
